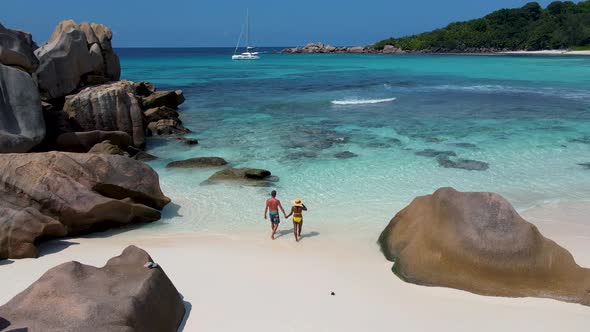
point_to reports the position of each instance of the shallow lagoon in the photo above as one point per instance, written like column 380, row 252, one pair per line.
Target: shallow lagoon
column 526, row 117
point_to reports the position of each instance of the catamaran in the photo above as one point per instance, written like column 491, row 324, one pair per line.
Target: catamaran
column 250, row 53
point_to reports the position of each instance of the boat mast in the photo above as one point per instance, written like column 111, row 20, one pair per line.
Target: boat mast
column 247, row 29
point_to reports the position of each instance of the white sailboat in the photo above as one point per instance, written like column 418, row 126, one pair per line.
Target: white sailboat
column 250, row 53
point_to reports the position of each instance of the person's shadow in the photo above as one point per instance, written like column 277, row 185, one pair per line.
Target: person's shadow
column 278, row 234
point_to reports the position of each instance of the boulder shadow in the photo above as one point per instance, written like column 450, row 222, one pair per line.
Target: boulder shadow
column 6, row 262
column 4, row 323
column 53, row 246
column 187, row 311
column 171, row 210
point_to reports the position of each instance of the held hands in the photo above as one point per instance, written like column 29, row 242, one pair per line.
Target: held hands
column 265, row 217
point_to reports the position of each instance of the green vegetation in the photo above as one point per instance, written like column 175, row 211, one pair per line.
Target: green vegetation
column 561, row 25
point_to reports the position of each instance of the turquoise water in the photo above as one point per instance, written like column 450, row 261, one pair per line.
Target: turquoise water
column 525, row 118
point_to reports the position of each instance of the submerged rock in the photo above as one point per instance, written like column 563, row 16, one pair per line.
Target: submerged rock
column 478, row 242
column 198, row 162
column 434, row 153
column 465, row 145
column 301, row 155
column 468, row 164
column 246, row 176
column 122, row 296
column 585, row 165
column 22, row 125
column 78, row 191
column 345, row 155
column 582, row 139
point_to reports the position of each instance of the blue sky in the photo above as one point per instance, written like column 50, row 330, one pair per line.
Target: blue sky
column 196, row 23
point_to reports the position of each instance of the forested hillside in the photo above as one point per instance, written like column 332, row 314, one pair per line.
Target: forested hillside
column 561, row 25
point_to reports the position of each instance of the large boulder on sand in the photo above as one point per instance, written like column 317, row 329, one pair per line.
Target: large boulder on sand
column 21, row 119
column 80, row 191
column 107, row 107
column 16, row 49
column 477, row 242
column 76, row 55
column 123, row 296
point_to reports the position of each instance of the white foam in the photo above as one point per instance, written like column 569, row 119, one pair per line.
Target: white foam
column 361, row 101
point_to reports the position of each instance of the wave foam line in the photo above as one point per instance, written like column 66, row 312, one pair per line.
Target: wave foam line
column 361, row 101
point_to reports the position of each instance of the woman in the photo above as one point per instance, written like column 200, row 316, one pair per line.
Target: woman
column 297, row 212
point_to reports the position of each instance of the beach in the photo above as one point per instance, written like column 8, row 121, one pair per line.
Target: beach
column 245, row 281
column 357, row 137
column 548, row 52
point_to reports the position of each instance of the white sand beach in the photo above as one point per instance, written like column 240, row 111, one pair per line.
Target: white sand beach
column 549, row 52
column 246, row 282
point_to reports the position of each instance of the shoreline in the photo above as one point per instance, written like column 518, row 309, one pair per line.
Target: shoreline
column 263, row 284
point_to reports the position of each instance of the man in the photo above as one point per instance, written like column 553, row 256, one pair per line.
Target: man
column 273, row 205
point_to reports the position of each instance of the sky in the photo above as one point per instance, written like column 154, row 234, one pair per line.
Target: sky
column 217, row 23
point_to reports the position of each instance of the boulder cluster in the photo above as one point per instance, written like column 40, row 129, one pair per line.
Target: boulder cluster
column 64, row 101
column 71, row 85
column 323, row 48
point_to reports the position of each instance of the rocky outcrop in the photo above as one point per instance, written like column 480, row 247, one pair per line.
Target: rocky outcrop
column 130, row 293
column 160, row 113
column 16, row 49
column 21, row 120
column 78, row 191
column 169, row 99
column 246, row 176
column 478, row 242
column 390, row 49
column 84, row 141
column 106, row 147
column 76, row 55
column 322, row 48
column 166, row 127
column 107, row 107
column 198, row 162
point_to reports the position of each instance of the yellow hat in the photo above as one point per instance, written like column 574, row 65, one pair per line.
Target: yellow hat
column 298, row 202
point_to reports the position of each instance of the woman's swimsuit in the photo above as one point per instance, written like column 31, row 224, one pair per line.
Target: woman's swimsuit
column 297, row 217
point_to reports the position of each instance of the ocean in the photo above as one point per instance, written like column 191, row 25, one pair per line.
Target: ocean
column 515, row 125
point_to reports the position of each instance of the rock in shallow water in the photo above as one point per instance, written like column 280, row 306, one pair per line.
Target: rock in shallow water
column 468, row 164
column 246, row 176
column 198, row 162
column 122, row 296
column 478, row 242
column 434, row 153
column 345, row 155
column 78, row 191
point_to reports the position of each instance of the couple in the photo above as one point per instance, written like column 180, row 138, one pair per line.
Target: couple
column 273, row 205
